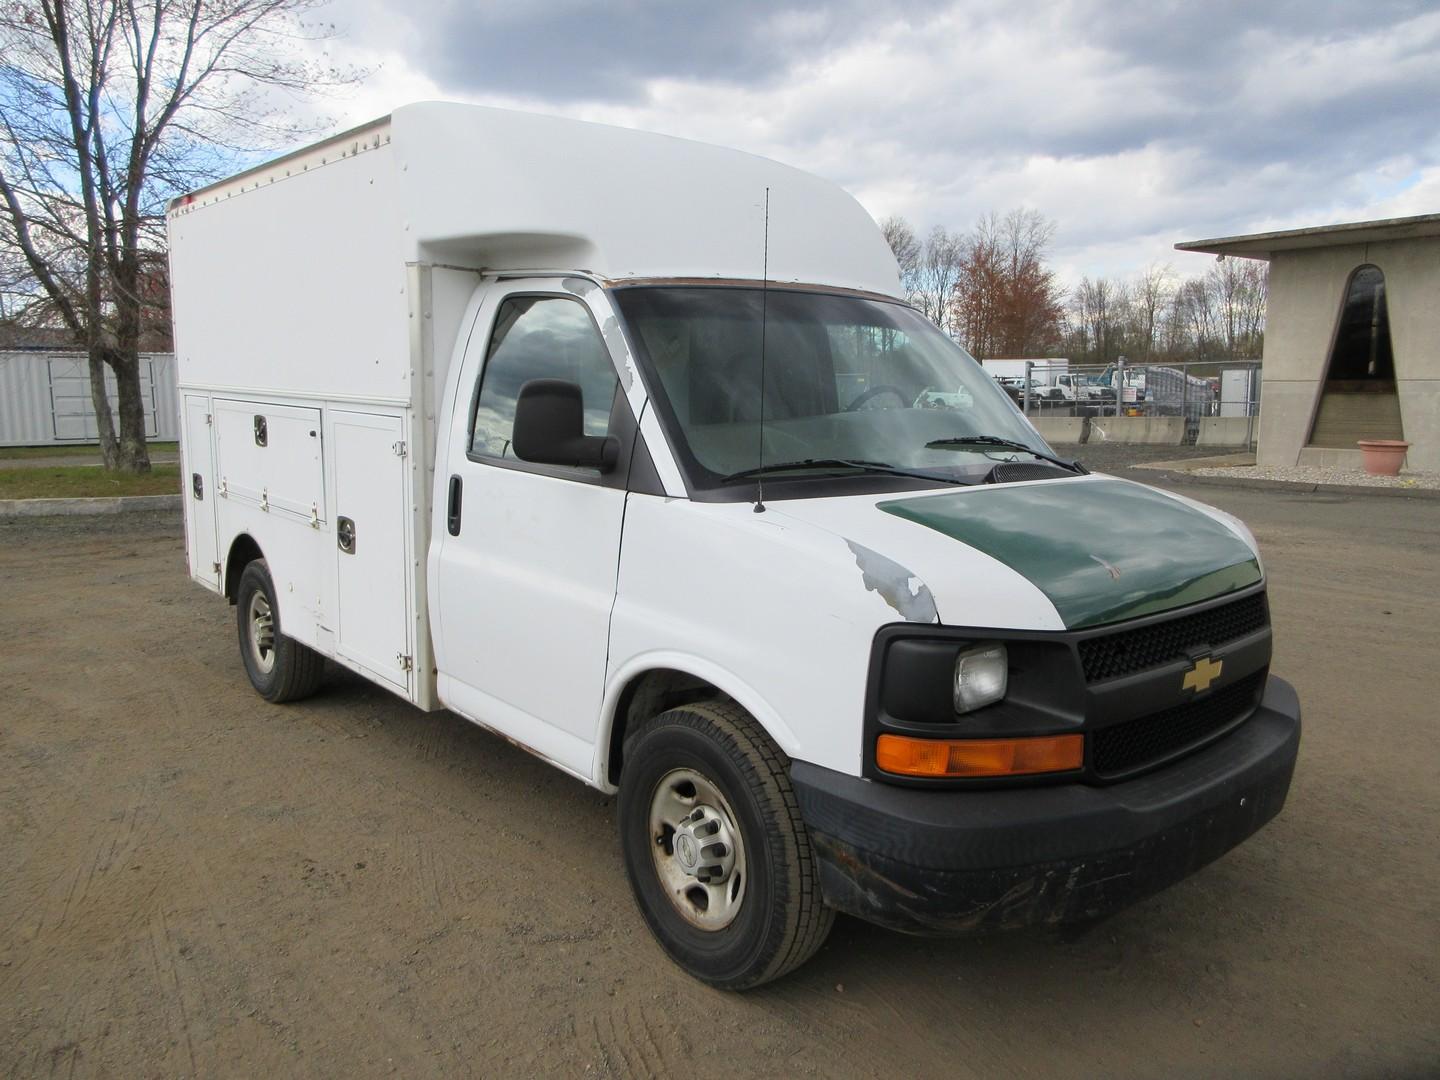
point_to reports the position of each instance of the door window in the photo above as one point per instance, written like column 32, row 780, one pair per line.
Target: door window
column 540, row 337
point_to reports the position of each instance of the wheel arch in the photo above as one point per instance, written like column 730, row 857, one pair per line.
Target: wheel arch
column 243, row 551
column 651, row 684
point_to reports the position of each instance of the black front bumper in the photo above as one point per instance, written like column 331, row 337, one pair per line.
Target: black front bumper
column 947, row 862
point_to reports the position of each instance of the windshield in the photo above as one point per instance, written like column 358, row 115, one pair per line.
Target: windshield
column 846, row 378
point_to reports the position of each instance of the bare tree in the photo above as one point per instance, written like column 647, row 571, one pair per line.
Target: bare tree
column 1097, row 308
column 1194, row 308
column 1003, row 299
column 906, row 248
column 14, row 276
column 1150, row 299
column 1252, row 308
column 107, row 109
column 1238, row 290
column 938, row 272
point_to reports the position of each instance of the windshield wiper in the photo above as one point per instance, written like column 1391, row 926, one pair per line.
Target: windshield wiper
column 1010, row 444
column 836, row 463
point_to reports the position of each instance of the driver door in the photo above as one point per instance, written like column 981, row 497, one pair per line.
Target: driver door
column 527, row 567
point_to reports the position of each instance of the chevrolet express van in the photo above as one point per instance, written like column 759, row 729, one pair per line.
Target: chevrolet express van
column 628, row 449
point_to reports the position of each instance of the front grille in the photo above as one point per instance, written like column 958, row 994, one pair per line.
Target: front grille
column 1127, row 651
column 1149, row 740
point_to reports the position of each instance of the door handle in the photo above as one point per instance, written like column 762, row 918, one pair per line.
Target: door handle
column 453, row 506
column 345, row 535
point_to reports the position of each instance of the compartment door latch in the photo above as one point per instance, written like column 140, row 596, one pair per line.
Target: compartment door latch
column 345, row 535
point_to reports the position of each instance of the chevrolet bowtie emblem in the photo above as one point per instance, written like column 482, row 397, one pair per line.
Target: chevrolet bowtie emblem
column 1202, row 674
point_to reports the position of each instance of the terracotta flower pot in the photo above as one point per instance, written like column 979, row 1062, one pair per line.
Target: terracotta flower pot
column 1383, row 457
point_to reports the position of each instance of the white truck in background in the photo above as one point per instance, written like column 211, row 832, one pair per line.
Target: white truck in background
column 1051, row 378
column 1007, row 369
column 624, row 447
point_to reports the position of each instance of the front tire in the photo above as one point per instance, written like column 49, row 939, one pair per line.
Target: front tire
column 717, row 854
column 280, row 668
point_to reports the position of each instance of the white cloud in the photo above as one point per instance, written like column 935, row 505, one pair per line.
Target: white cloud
column 1131, row 132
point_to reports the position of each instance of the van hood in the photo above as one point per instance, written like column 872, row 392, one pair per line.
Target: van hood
column 1044, row 555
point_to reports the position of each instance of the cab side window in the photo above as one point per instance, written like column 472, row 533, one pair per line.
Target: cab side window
column 540, row 337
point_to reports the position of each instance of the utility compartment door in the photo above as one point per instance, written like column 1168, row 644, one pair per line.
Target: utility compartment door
column 198, row 492
column 269, row 457
column 372, row 594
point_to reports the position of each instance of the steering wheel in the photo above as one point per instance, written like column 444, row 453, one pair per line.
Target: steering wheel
column 876, row 391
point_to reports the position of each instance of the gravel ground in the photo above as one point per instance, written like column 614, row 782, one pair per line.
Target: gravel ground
column 1315, row 475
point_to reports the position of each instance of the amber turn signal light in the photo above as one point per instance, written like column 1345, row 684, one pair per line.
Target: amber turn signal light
column 905, row 756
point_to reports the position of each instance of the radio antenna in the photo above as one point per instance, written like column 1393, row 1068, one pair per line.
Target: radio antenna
column 764, row 312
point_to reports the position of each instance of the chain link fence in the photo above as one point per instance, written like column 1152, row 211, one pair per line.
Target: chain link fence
column 1195, row 396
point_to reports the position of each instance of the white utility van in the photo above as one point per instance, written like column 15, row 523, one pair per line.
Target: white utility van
column 624, row 447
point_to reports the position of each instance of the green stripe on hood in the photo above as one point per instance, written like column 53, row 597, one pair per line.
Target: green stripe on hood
column 1101, row 550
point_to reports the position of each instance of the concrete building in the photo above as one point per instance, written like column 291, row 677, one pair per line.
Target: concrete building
column 1352, row 339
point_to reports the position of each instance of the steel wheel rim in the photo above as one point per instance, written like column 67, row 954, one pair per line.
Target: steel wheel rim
column 697, row 849
column 262, row 633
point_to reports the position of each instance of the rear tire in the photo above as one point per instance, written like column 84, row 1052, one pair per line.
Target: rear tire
column 716, row 851
column 280, row 668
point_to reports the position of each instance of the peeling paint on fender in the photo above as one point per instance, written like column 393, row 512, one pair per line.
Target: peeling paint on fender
column 896, row 585
column 615, row 338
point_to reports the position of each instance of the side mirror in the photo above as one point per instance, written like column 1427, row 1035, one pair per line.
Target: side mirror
column 550, row 428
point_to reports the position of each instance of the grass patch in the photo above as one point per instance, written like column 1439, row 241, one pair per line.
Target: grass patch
column 25, row 453
column 86, row 481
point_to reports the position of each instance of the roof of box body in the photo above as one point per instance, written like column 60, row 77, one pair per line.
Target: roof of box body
column 504, row 190
column 1263, row 245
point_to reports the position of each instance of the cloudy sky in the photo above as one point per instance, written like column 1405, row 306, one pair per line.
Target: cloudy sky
column 1131, row 125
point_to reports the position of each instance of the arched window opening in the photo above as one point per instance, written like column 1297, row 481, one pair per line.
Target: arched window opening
column 1362, row 342
column 1358, row 399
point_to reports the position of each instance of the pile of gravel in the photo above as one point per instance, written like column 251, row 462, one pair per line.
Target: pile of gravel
column 1311, row 474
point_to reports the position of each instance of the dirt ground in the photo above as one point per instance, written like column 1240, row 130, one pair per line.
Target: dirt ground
column 196, row 883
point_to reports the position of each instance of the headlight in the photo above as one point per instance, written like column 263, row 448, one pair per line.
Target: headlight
column 981, row 674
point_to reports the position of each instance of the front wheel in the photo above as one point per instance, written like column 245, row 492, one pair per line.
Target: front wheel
column 280, row 668
column 715, row 849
